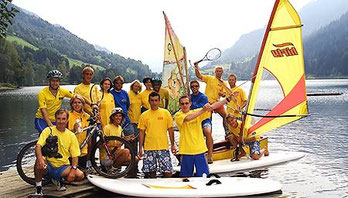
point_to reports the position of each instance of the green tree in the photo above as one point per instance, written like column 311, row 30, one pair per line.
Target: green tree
column 6, row 14
column 75, row 74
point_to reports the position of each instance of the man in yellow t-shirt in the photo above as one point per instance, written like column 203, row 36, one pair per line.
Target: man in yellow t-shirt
column 239, row 101
column 153, row 126
column 235, row 138
column 145, row 94
column 84, row 88
column 57, row 163
column 163, row 92
column 191, row 144
column 50, row 100
column 214, row 89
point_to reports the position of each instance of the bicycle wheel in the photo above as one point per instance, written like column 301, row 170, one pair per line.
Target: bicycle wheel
column 109, row 170
column 26, row 162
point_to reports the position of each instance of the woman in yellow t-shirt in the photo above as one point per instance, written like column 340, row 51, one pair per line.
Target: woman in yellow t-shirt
column 108, row 103
column 134, row 110
column 77, row 121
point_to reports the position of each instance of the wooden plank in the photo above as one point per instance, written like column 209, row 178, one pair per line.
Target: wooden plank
column 11, row 185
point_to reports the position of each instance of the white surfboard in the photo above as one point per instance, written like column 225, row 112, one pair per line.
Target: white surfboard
column 224, row 166
column 194, row 187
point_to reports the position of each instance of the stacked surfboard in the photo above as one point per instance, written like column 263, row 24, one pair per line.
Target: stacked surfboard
column 187, row 187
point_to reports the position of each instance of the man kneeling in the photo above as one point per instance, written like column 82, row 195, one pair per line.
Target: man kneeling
column 53, row 149
column 234, row 129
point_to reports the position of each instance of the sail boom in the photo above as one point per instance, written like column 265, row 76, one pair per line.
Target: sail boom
column 286, row 27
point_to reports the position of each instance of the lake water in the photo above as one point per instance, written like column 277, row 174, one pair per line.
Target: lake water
column 322, row 136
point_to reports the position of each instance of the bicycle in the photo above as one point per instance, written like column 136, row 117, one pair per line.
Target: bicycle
column 26, row 157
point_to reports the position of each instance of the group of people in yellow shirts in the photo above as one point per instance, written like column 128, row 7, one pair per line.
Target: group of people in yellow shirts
column 137, row 113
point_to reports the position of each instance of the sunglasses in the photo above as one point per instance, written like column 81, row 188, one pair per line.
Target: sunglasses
column 184, row 103
column 192, row 86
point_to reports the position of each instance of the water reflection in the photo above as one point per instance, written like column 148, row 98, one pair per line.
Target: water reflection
column 323, row 172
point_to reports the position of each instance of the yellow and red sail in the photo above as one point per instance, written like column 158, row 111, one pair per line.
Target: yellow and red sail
column 281, row 55
column 174, row 67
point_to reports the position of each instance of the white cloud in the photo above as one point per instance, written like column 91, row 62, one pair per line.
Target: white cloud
column 135, row 28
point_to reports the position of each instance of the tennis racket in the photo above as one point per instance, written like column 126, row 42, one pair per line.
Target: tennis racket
column 96, row 95
column 211, row 55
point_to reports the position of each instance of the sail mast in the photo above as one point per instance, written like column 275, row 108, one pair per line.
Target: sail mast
column 268, row 28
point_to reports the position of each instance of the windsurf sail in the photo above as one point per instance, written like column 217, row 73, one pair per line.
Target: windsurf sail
column 280, row 63
column 174, row 67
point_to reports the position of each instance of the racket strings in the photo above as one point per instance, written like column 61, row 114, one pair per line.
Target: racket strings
column 213, row 54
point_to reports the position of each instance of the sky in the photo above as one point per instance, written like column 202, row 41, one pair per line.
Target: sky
column 135, row 28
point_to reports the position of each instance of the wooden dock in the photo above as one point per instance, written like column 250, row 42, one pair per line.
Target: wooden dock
column 11, row 186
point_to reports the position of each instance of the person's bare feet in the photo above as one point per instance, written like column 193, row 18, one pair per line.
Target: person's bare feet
column 266, row 152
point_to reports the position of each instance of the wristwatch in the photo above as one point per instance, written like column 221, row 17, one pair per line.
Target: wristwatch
column 74, row 167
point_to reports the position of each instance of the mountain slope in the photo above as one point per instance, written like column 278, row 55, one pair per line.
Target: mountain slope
column 314, row 15
column 52, row 46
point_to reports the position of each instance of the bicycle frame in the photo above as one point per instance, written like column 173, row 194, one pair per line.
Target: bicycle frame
column 92, row 129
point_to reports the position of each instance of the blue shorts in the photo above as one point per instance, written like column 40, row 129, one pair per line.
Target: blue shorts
column 254, row 147
column 56, row 173
column 189, row 161
column 160, row 157
column 206, row 124
column 129, row 129
column 40, row 124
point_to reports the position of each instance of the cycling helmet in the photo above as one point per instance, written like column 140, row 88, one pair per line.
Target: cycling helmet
column 54, row 74
column 117, row 110
column 156, row 81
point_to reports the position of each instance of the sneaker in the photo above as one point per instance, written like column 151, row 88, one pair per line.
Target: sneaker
column 59, row 184
column 38, row 190
column 210, row 160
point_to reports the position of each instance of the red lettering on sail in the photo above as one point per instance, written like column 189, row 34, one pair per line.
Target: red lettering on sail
column 285, row 49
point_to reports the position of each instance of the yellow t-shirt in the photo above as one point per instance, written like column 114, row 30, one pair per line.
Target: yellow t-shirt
column 68, row 146
column 155, row 124
column 50, row 102
column 240, row 98
column 191, row 140
column 236, row 131
column 145, row 98
column 110, row 130
column 106, row 105
column 213, row 88
column 134, row 110
column 73, row 115
column 84, row 90
column 164, row 94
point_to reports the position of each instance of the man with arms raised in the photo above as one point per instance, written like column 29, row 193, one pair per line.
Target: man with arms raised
column 191, row 144
column 198, row 100
column 214, row 89
column 50, row 100
column 239, row 101
column 62, row 144
column 153, row 126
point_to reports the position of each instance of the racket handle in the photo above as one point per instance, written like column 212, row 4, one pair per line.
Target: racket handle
column 196, row 63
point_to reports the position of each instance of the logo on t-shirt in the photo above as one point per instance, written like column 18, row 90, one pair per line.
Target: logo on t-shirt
column 159, row 118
